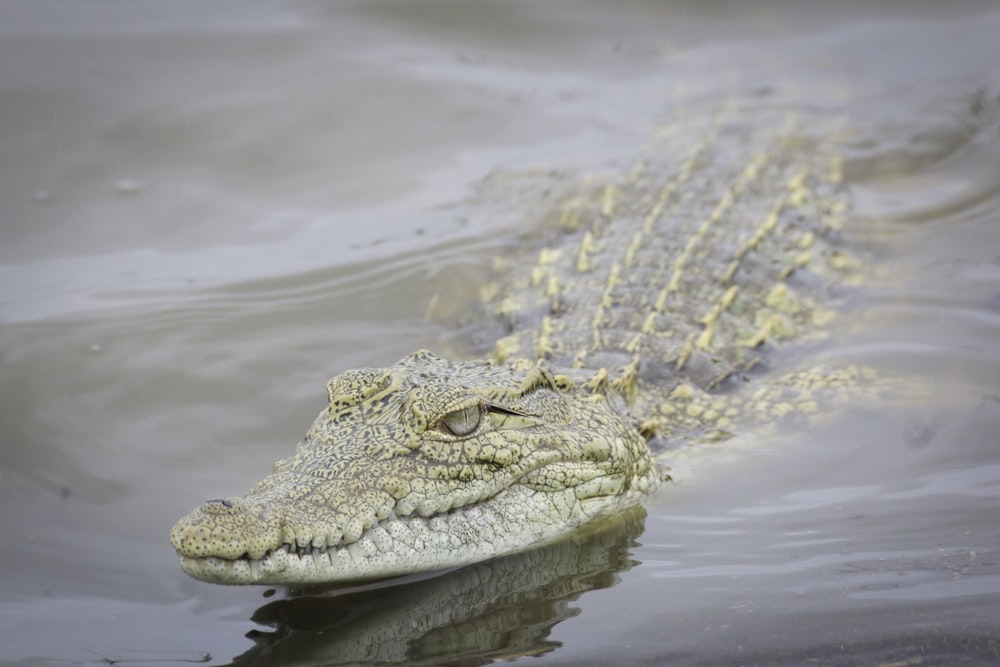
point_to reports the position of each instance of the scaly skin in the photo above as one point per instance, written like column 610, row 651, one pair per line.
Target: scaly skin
column 383, row 485
column 646, row 310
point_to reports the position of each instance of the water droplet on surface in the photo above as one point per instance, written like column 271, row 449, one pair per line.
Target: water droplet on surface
column 127, row 186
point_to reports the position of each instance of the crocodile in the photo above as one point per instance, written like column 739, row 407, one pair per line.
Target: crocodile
column 647, row 316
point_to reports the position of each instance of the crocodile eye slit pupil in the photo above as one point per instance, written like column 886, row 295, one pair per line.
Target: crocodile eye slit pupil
column 462, row 422
column 506, row 411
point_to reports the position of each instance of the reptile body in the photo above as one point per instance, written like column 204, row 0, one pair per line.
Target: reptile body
column 649, row 312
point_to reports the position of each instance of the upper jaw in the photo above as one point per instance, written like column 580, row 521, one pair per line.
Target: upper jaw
column 270, row 536
column 517, row 519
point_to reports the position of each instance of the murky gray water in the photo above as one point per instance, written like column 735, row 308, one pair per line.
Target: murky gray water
column 208, row 209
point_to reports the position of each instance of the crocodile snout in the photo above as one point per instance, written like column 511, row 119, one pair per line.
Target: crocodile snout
column 226, row 528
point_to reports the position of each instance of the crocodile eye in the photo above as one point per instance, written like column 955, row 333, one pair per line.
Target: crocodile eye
column 462, row 422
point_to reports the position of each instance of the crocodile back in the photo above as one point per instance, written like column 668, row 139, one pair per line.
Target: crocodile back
column 719, row 245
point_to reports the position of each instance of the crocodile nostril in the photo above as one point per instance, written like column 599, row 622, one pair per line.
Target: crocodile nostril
column 228, row 504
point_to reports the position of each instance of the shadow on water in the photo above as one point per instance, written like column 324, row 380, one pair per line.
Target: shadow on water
column 933, row 647
column 500, row 609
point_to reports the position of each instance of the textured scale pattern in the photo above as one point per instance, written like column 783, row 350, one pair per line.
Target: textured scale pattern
column 683, row 275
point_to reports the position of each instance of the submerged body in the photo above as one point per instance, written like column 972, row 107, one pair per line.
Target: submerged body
column 646, row 315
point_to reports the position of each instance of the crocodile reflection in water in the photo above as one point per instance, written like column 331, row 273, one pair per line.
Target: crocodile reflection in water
column 499, row 609
column 649, row 312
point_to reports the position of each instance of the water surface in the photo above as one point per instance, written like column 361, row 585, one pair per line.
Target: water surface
column 209, row 209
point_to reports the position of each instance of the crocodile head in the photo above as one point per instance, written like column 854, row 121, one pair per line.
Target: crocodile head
column 421, row 466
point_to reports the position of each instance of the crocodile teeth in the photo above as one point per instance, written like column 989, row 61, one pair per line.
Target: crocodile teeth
column 278, row 560
column 404, row 508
